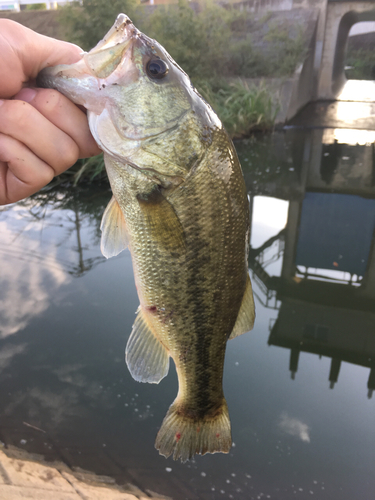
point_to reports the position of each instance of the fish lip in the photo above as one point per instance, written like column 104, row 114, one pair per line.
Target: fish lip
column 119, row 38
column 122, row 33
column 122, row 30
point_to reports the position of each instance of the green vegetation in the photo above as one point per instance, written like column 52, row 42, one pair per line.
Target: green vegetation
column 360, row 64
column 284, row 51
column 242, row 108
column 216, row 41
column 219, row 47
column 36, row 6
column 200, row 43
column 87, row 170
column 87, row 22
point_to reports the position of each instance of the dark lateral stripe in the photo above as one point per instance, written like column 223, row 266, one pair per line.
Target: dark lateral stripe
column 196, row 294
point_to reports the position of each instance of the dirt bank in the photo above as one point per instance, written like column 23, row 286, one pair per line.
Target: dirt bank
column 365, row 41
column 44, row 22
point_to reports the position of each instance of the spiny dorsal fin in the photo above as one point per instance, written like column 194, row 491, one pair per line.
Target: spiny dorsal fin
column 162, row 221
column 114, row 233
column 146, row 357
column 246, row 315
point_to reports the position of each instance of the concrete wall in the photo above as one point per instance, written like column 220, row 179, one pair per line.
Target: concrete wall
column 321, row 75
column 265, row 5
column 297, row 91
column 340, row 17
column 278, row 5
column 303, row 88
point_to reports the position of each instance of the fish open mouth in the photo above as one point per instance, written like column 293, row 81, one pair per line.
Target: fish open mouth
column 107, row 55
column 134, row 93
column 100, row 62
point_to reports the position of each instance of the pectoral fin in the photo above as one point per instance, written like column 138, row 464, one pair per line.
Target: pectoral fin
column 114, row 233
column 162, row 221
column 246, row 315
column 146, row 357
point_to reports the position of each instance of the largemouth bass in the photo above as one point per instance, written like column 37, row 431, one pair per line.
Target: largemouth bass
column 180, row 205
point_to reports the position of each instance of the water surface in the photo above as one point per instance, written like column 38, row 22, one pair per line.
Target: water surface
column 298, row 386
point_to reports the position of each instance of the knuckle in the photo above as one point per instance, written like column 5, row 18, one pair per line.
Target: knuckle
column 49, row 101
column 69, row 154
column 45, row 176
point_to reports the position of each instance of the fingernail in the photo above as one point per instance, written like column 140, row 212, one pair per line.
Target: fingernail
column 26, row 95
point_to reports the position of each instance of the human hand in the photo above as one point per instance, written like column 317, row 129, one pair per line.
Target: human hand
column 42, row 133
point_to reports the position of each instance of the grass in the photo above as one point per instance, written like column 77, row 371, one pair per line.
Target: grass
column 284, row 51
column 236, row 44
column 360, row 64
column 243, row 109
column 86, row 170
column 89, row 169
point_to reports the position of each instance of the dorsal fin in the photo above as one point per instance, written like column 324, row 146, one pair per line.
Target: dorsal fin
column 146, row 357
column 246, row 315
column 114, row 232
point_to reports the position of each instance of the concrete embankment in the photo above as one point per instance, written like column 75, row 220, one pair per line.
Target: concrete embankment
column 23, row 476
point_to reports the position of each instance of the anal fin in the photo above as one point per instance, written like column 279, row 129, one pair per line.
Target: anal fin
column 246, row 315
column 114, row 232
column 146, row 357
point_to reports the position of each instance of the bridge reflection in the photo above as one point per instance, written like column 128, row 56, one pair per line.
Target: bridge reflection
column 323, row 285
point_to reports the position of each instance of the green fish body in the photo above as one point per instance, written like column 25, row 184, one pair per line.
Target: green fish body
column 180, row 205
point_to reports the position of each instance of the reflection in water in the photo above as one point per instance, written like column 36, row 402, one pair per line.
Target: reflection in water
column 38, row 256
column 345, row 224
column 24, row 270
column 268, row 216
column 346, row 112
column 294, row 427
column 349, row 137
column 62, row 369
column 354, row 108
column 57, row 408
column 355, row 89
column 325, row 294
column 8, row 352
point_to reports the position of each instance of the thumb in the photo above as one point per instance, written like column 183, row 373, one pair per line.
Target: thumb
column 23, row 53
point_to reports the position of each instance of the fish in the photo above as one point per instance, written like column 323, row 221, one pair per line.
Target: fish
column 180, row 205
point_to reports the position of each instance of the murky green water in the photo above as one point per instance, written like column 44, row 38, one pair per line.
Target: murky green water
column 298, row 386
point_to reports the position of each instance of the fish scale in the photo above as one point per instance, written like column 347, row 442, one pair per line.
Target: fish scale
column 180, row 204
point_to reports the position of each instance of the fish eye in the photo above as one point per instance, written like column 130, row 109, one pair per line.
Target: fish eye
column 156, row 68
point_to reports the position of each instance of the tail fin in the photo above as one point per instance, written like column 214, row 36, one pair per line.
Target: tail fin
column 184, row 436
